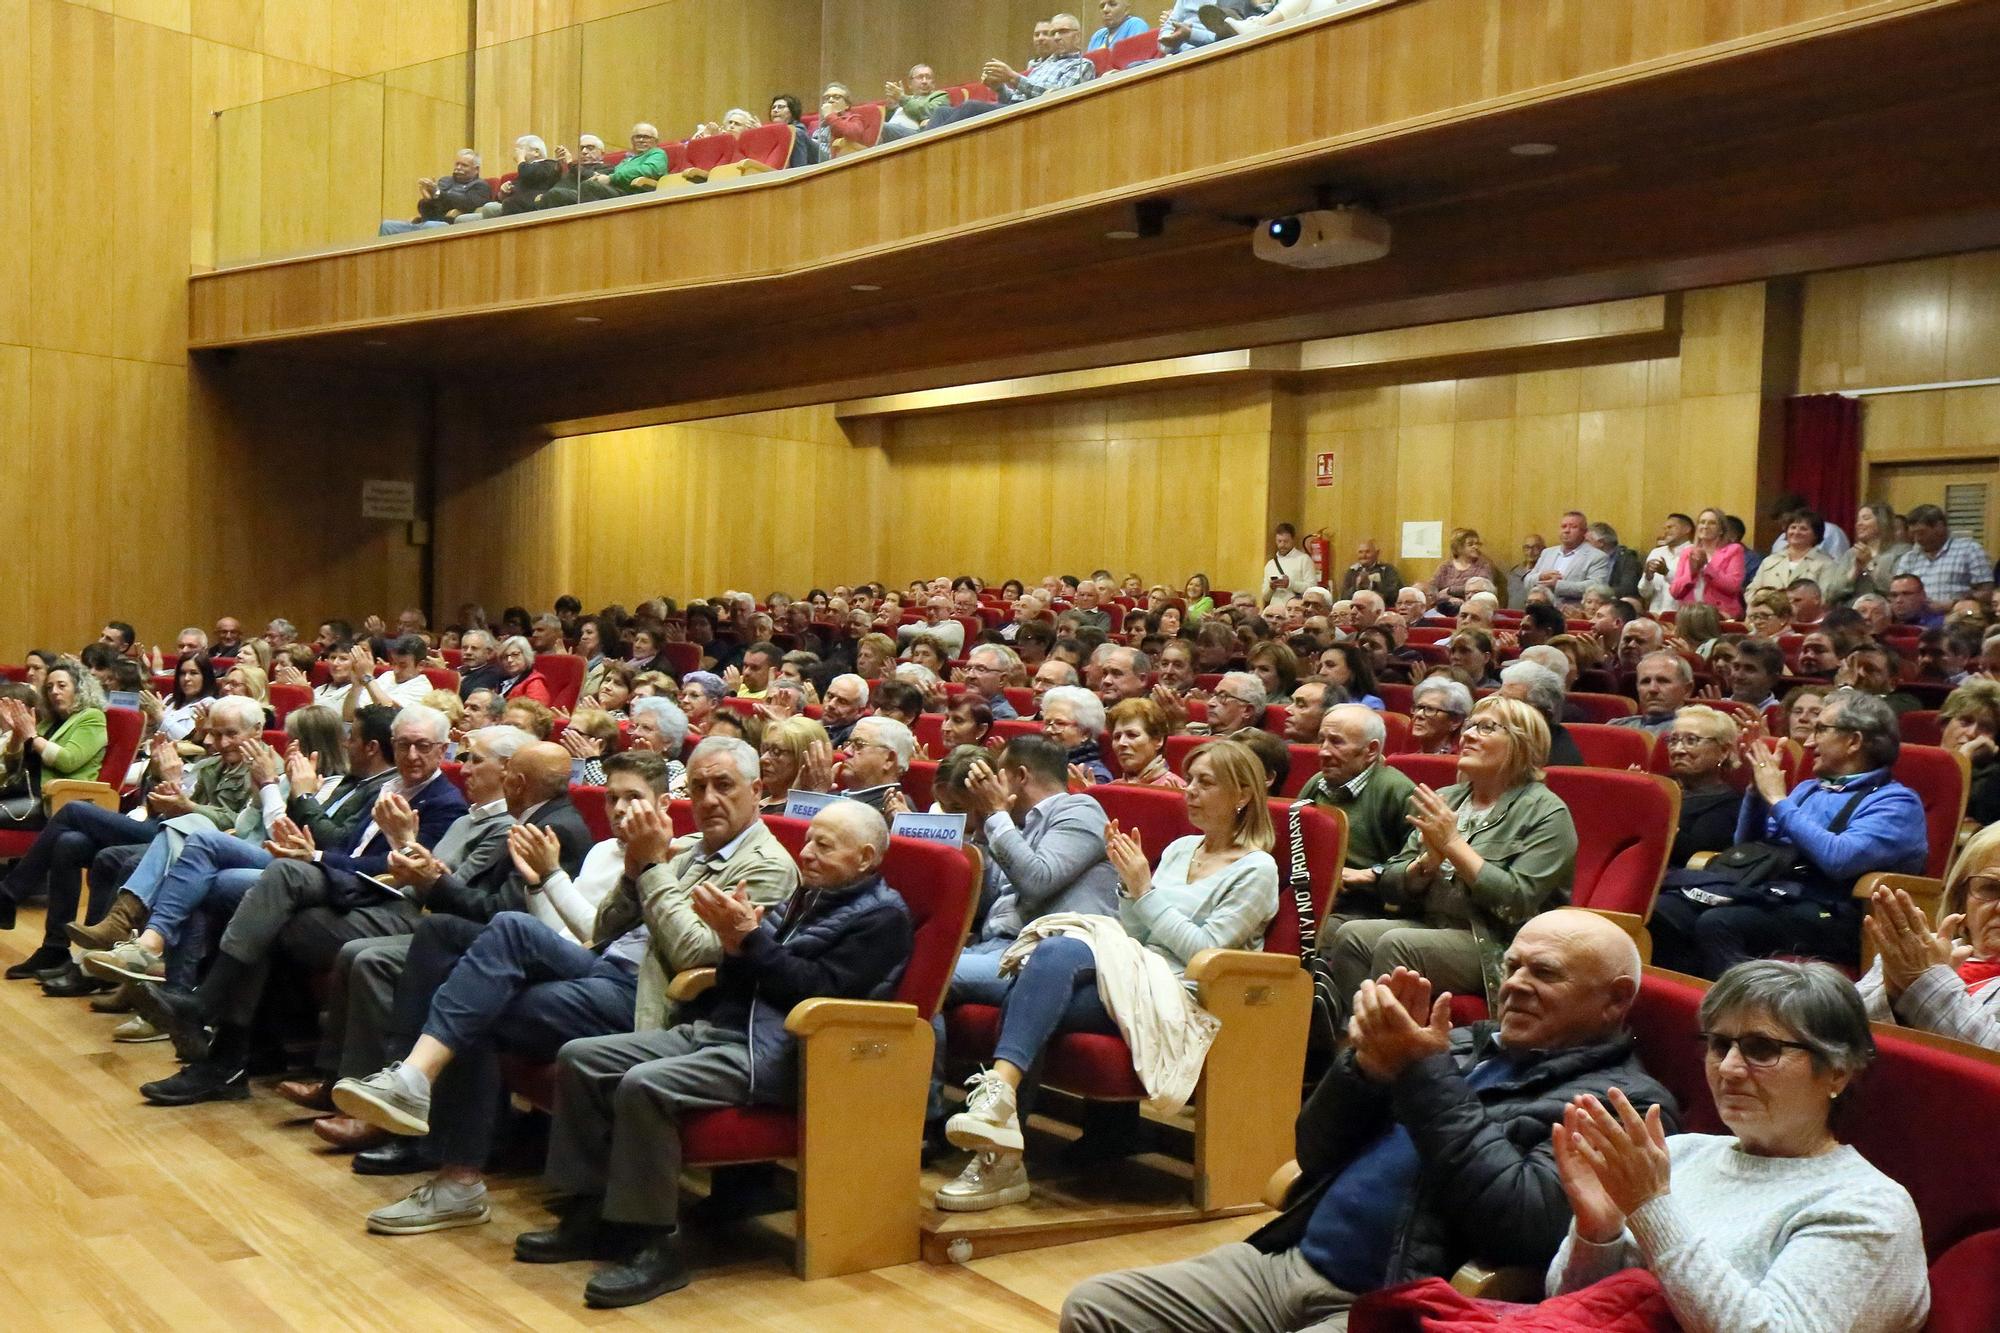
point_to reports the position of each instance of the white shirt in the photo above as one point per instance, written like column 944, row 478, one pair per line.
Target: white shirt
column 1653, row 587
column 1295, row 567
column 569, row 906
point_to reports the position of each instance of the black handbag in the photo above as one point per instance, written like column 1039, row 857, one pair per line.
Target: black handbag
column 1762, row 872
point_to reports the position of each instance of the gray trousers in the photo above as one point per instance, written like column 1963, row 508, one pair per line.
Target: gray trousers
column 288, row 904
column 1449, row 958
column 616, row 1130
column 354, row 1038
column 1237, row 1287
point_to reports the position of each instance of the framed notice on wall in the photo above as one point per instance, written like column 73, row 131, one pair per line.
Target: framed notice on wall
column 392, row 500
column 1423, row 541
column 1323, row 470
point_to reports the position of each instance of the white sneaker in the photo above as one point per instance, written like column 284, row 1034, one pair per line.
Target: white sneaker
column 990, row 1180
column 989, row 1121
column 137, row 1029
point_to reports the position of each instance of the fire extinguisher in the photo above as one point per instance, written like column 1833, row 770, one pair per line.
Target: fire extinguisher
column 1316, row 547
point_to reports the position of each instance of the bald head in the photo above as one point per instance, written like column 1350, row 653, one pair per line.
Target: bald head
column 536, row 773
column 1570, row 978
column 843, row 846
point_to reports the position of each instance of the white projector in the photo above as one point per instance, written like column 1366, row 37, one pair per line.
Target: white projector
column 1328, row 238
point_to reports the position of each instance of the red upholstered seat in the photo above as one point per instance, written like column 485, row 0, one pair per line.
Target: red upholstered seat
column 1155, row 815
column 590, row 804
column 1940, row 779
column 276, row 738
column 929, row 732
column 453, row 658
column 1275, row 717
column 683, row 657
column 710, row 151
column 1437, row 771
column 1395, row 697
column 454, row 773
column 1920, row 727
column 741, row 706
column 1008, row 729
column 1102, row 59
column 677, row 156
column 1625, row 824
column 740, row 1134
column 564, row 673
column 1602, row 707
column 122, row 729
column 1397, row 725
column 919, row 783
column 285, row 699
column 1133, row 50
column 1305, row 763
column 1611, row 747
column 443, row 678
column 1022, row 698
column 1179, row 747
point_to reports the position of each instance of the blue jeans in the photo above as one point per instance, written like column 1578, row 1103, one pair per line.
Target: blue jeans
column 62, row 851
column 1055, row 991
column 393, row 227
column 173, row 890
column 975, row 979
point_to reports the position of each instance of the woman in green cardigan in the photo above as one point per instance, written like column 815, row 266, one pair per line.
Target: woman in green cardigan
column 69, row 743
column 1485, row 854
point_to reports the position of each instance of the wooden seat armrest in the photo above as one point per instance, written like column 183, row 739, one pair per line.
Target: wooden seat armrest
column 1632, row 924
column 1214, row 964
column 63, row 791
column 687, row 985
column 1498, row 1284
column 1279, row 1187
column 809, row 1018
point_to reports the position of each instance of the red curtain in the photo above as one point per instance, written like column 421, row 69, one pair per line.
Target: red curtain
column 1823, row 452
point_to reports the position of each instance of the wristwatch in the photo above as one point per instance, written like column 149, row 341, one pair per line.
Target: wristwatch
column 411, row 849
column 1378, row 869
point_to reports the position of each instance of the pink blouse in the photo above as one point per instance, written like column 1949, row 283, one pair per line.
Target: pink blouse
column 1720, row 582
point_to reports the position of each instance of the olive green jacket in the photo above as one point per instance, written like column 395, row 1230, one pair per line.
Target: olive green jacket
column 1528, row 842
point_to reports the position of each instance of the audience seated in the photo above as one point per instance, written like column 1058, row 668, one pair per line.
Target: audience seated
column 1438, row 709
column 1941, row 976
column 443, row 200
column 1971, row 723
column 644, row 163
column 1665, row 682
column 61, row 736
column 1775, row 1224
column 1089, row 973
column 1701, row 746
column 1786, row 886
column 1483, row 856
column 1073, row 718
column 1422, row 1148
column 1373, row 797
column 614, row 1140
column 1119, row 23
column 1542, row 690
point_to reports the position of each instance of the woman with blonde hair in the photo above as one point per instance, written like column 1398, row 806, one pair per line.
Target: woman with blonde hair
column 782, row 758
column 1701, row 748
column 1214, row 890
column 1484, row 855
column 1942, row 977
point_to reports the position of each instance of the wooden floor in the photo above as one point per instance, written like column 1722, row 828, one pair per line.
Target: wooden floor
column 120, row 1215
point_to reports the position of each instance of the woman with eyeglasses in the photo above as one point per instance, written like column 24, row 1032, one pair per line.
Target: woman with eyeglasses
column 1483, row 856
column 1438, row 706
column 1943, row 979
column 1701, row 748
column 1971, row 721
column 1775, row 1225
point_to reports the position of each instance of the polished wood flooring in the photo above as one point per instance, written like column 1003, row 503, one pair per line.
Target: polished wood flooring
column 120, row 1215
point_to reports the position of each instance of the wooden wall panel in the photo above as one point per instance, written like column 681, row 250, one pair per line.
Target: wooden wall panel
column 17, row 207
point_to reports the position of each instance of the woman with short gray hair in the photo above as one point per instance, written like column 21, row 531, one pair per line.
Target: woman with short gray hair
column 1776, row 1225
column 1438, row 708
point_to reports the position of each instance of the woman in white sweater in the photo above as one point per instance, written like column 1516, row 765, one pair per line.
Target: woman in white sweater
column 1776, row 1227
column 1218, row 890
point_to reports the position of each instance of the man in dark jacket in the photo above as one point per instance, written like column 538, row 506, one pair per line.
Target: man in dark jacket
column 1422, row 1148
column 443, row 200
column 615, row 1142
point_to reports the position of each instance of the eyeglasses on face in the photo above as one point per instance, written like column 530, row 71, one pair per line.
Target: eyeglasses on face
column 416, row 746
column 1983, row 888
column 1759, row 1051
column 1485, row 726
column 1820, row 727
column 1430, row 710
column 1687, row 740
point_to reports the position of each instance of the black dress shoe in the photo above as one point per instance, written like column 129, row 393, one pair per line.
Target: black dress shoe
column 44, row 959
column 398, row 1157
column 580, row 1233
column 655, row 1269
column 201, row 1081
column 70, row 982
column 176, row 1013
column 7, row 906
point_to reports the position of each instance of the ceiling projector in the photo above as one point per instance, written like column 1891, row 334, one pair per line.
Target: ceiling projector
column 1328, row 238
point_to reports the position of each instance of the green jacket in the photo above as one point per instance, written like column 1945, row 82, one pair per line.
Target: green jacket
column 921, row 108
column 80, row 739
column 220, row 793
column 649, row 164
column 1528, row 841
column 1376, row 823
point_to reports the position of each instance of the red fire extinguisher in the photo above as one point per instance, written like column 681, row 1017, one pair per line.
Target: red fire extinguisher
column 1317, row 546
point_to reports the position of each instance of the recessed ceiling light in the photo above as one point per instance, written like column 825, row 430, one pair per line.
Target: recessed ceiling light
column 588, row 319
column 865, row 287
column 1121, row 234
column 1533, row 149
column 375, row 342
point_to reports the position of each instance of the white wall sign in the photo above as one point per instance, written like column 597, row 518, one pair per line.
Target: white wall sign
column 1423, row 541
column 392, row 500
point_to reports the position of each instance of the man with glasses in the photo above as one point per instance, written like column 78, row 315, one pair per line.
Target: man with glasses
column 334, row 886
column 646, row 161
column 1950, row 566
column 1237, row 705
column 879, row 751
column 1061, row 65
column 988, row 668
column 1787, row 885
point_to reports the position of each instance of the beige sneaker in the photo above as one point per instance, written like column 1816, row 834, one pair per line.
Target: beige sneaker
column 989, row 1121
column 990, row 1180
column 127, row 960
column 137, row 1029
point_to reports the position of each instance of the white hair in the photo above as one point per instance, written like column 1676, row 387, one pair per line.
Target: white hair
column 672, row 722
column 917, row 674
column 502, row 741
column 862, row 820
column 1555, row 659
column 1370, row 596
column 245, row 712
column 1250, row 683
column 517, row 641
column 1367, row 719
column 735, row 747
column 422, row 715
column 583, row 139
column 485, row 635
column 1006, row 657
column 1486, row 599
column 472, row 153
column 1545, row 687
column 848, row 680
column 533, row 141
column 1457, row 699
column 1086, row 707
column 888, row 731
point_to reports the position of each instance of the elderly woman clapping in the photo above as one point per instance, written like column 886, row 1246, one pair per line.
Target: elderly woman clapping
column 1775, row 1225
column 1945, row 980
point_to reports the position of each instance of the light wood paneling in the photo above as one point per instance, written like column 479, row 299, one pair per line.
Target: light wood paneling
column 866, row 43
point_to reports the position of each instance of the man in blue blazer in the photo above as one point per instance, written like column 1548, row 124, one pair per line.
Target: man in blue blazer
column 211, row 1027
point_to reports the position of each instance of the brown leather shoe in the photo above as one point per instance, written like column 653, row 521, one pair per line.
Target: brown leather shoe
column 348, row 1134
column 127, row 915
column 312, row 1093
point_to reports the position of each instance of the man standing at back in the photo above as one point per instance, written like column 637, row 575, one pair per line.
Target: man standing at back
column 1422, row 1148
column 1289, row 570
column 1658, row 570
column 1567, row 569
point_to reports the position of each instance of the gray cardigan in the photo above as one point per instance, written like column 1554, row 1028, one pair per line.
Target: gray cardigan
column 1054, row 862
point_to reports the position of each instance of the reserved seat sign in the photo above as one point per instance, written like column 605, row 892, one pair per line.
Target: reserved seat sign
column 947, row 829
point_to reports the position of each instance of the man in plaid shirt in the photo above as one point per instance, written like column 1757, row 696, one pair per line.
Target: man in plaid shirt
column 1950, row 566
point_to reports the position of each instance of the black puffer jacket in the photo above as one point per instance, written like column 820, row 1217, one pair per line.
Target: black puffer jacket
column 1488, row 1189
